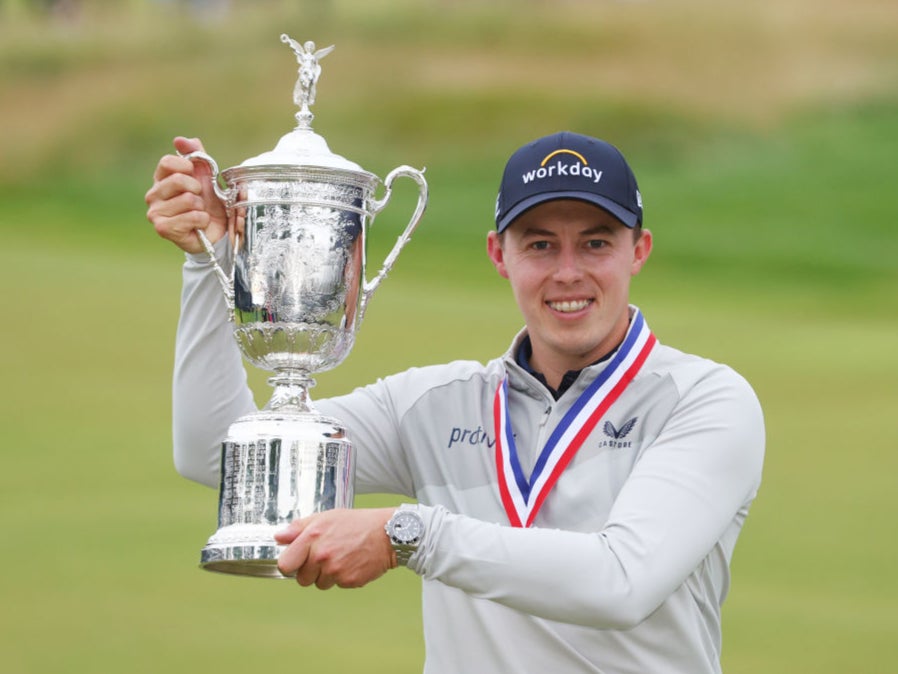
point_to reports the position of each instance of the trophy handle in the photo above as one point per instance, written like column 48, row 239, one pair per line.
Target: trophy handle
column 376, row 207
column 221, row 189
column 225, row 280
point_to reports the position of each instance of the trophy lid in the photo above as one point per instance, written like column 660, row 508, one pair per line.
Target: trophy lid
column 302, row 146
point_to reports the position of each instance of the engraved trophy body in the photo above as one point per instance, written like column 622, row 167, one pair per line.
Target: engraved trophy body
column 296, row 293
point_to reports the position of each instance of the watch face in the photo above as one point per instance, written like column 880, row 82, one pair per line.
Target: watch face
column 406, row 527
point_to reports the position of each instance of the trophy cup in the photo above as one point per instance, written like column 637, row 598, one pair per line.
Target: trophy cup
column 296, row 293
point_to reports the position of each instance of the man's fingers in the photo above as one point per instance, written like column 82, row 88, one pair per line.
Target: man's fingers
column 182, row 212
column 297, row 552
column 307, row 574
column 289, row 533
column 179, row 226
column 293, row 558
column 340, row 547
column 182, row 230
column 172, row 164
column 187, row 145
column 176, row 194
column 183, row 199
column 325, row 582
column 201, row 169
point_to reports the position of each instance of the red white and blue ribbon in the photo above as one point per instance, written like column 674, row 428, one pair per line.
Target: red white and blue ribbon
column 522, row 498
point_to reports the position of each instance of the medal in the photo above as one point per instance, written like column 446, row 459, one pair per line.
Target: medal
column 522, row 498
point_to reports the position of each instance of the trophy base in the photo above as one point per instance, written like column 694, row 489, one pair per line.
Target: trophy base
column 277, row 466
column 243, row 550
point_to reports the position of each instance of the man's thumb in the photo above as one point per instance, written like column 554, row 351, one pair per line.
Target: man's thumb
column 187, row 145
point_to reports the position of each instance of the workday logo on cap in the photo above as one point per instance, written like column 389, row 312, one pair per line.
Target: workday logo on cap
column 562, row 163
column 568, row 166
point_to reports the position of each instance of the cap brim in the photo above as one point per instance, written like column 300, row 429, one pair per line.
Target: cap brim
column 626, row 217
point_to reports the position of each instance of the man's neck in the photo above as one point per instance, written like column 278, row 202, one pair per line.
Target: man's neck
column 555, row 375
column 555, row 366
column 557, row 382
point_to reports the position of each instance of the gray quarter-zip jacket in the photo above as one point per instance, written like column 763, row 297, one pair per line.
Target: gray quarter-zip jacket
column 626, row 565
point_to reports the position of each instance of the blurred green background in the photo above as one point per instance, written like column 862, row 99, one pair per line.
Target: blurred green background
column 764, row 136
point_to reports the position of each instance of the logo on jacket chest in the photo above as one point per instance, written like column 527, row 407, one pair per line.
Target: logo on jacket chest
column 611, row 437
column 470, row 437
column 614, row 437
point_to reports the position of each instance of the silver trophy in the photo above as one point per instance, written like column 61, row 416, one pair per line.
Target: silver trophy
column 296, row 291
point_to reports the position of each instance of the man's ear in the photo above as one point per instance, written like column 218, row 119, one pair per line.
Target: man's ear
column 641, row 251
column 496, row 253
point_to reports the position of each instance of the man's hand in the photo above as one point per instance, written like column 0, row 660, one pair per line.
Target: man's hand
column 182, row 200
column 343, row 547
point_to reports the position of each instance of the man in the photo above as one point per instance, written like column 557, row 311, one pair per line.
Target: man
column 578, row 498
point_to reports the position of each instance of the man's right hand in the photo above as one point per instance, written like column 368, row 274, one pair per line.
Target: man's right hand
column 182, row 199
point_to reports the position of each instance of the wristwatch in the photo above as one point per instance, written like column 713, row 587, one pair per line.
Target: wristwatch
column 405, row 531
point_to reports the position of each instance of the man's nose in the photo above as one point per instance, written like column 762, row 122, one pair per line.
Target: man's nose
column 569, row 266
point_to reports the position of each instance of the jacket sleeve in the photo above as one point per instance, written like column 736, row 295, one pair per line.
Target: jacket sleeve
column 690, row 488
column 372, row 419
column 209, row 387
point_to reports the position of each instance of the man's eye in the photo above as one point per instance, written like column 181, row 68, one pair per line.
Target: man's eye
column 539, row 245
column 597, row 243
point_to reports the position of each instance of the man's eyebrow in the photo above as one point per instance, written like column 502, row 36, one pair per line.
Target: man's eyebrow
column 589, row 231
column 598, row 229
column 537, row 231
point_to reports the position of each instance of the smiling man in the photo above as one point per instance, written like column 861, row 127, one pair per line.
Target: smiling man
column 569, row 264
column 576, row 501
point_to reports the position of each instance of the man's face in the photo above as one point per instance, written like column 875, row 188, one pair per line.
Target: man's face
column 569, row 264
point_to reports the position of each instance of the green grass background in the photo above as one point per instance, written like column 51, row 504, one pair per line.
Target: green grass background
column 765, row 139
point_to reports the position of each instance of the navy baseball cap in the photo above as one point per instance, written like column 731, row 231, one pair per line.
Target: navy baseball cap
column 568, row 165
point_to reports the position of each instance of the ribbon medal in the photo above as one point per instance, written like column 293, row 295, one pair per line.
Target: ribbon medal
column 522, row 498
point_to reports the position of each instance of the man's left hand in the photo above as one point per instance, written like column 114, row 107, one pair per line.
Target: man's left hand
column 343, row 547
